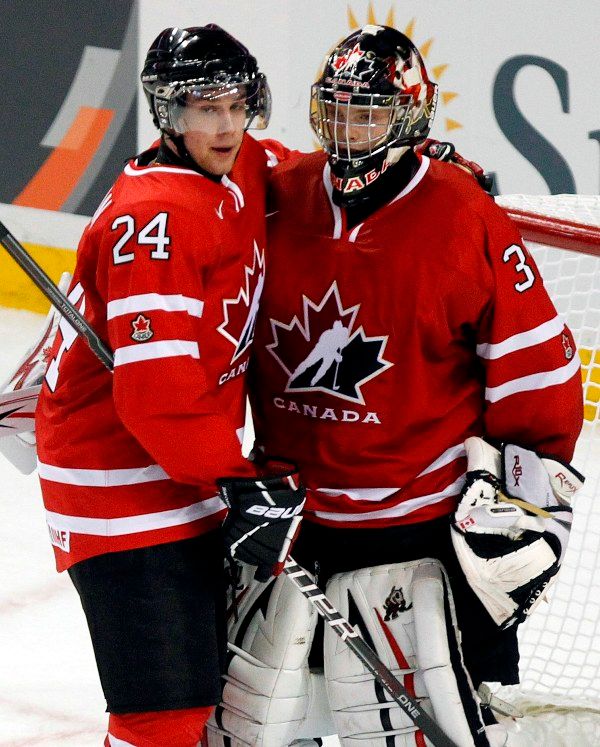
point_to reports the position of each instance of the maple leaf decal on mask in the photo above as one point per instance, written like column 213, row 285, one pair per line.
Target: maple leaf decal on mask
column 325, row 352
column 239, row 313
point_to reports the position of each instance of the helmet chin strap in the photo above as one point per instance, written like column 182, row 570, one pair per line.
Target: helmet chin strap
column 182, row 151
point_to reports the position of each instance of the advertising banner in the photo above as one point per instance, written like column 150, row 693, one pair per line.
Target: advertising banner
column 518, row 81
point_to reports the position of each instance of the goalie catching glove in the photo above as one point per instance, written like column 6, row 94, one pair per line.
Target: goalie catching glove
column 512, row 526
column 263, row 518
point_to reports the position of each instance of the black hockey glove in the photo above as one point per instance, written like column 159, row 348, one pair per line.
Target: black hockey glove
column 444, row 151
column 263, row 518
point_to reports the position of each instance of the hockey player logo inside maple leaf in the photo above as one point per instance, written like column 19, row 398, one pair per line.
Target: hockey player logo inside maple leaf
column 353, row 63
column 327, row 351
column 239, row 313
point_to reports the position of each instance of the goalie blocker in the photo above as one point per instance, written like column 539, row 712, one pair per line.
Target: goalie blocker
column 404, row 611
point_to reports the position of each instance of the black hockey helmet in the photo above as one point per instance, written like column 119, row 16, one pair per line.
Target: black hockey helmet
column 202, row 60
column 373, row 98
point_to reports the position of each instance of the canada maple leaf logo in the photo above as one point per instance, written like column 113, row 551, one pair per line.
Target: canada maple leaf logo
column 141, row 329
column 326, row 352
column 352, row 63
column 239, row 313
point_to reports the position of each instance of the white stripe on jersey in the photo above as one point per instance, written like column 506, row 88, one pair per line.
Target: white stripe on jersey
column 337, row 213
column 354, row 233
column 401, row 509
column 421, row 171
column 379, row 494
column 335, row 209
column 152, row 302
column 272, row 159
column 106, row 201
column 237, row 193
column 146, row 351
column 151, row 169
column 102, row 478
column 360, row 494
column 134, row 524
column 533, row 382
column 522, row 340
column 448, row 456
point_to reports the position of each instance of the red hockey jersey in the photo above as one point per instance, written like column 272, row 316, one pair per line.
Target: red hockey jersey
column 380, row 349
column 169, row 272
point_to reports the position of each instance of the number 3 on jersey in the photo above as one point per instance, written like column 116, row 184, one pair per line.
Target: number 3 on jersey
column 520, row 266
column 145, row 236
column 68, row 335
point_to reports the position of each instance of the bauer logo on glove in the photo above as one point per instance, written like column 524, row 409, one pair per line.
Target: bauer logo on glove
column 512, row 525
column 263, row 518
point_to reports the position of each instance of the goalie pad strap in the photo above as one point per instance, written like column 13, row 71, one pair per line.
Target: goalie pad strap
column 405, row 613
column 432, row 595
column 266, row 694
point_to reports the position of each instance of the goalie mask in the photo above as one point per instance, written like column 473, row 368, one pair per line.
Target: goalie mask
column 373, row 100
column 188, row 67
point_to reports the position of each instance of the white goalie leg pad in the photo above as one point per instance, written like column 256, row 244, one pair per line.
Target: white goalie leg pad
column 405, row 612
column 318, row 721
column 266, row 693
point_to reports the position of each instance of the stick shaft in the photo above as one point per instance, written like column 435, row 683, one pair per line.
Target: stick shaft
column 533, row 509
column 62, row 304
column 302, row 580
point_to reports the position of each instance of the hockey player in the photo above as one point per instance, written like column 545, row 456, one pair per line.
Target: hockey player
column 451, row 339
column 168, row 273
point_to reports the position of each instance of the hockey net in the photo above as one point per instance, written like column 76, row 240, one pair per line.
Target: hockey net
column 560, row 642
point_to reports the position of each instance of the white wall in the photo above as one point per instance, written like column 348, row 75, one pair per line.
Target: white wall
column 474, row 38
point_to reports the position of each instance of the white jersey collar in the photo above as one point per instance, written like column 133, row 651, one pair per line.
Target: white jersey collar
column 337, row 212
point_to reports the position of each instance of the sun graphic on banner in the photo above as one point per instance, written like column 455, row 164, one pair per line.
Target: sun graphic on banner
column 437, row 71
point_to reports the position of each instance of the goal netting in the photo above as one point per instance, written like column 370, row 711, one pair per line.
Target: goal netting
column 560, row 642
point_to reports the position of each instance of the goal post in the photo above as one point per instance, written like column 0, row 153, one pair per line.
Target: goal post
column 565, row 221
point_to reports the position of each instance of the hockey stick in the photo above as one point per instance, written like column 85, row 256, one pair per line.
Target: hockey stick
column 336, row 386
column 293, row 571
column 62, row 304
column 532, row 509
column 367, row 656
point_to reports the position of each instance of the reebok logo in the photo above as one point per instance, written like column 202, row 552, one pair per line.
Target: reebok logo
column 565, row 483
column 517, row 469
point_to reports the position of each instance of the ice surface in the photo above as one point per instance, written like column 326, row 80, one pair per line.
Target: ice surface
column 49, row 689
